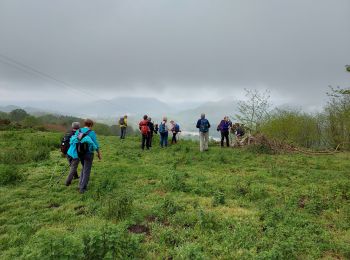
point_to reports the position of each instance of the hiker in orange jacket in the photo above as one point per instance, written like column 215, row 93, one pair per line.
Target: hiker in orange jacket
column 145, row 132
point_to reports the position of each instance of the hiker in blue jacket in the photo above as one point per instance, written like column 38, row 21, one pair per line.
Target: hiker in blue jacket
column 83, row 136
column 224, row 128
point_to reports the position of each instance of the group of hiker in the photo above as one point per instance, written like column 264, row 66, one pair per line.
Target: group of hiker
column 148, row 129
column 80, row 144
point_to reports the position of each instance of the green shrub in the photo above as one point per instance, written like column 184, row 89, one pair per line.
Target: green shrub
column 293, row 127
column 10, row 175
column 110, row 242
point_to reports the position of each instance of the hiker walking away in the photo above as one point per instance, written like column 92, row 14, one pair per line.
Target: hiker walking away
column 203, row 125
column 82, row 147
column 123, row 123
column 175, row 129
column 224, row 128
column 156, row 128
column 163, row 131
column 151, row 131
column 65, row 144
column 145, row 132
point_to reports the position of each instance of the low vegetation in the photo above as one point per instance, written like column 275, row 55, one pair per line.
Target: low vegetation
column 171, row 203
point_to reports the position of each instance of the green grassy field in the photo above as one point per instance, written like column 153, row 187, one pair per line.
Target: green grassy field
column 171, row 203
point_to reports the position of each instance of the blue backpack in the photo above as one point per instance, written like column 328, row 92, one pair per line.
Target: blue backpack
column 177, row 128
column 204, row 126
column 162, row 128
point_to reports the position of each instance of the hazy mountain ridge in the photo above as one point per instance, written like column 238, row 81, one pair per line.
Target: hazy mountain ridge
column 110, row 111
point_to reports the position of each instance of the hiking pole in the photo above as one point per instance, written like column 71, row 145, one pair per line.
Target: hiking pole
column 59, row 178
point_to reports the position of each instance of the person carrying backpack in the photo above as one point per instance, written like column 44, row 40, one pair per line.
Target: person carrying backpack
column 145, row 132
column 224, row 128
column 82, row 147
column 175, row 129
column 65, row 144
column 151, row 131
column 123, row 123
column 203, row 126
column 163, row 131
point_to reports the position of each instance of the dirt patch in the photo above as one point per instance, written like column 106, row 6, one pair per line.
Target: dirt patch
column 302, row 202
column 151, row 219
column 139, row 229
column 80, row 210
column 54, row 205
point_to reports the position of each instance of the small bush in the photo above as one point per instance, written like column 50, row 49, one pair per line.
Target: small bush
column 10, row 175
column 110, row 242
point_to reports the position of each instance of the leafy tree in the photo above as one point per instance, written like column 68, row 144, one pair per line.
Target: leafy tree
column 338, row 115
column 18, row 115
column 254, row 109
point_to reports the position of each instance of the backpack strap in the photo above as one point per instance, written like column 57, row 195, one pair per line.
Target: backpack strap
column 85, row 134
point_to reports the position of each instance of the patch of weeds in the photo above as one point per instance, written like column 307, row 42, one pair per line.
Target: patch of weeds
column 175, row 181
column 10, row 175
column 218, row 198
column 169, row 237
column 110, row 242
column 119, row 206
column 206, row 219
column 190, row 251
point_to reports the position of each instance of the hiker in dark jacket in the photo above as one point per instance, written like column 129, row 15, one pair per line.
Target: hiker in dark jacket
column 145, row 132
column 224, row 128
column 203, row 126
column 164, row 131
column 84, row 135
column 156, row 128
column 74, row 173
column 175, row 129
column 151, row 131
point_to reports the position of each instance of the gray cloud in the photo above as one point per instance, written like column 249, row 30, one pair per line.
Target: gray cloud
column 295, row 48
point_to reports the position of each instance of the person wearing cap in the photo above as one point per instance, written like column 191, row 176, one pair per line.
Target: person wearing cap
column 73, row 173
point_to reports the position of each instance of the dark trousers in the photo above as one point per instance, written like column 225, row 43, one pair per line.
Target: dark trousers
column 86, row 161
column 73, row 170
column 173, row 140
column 150, row 139
column 122, row 132
column 164, row 139
column 224, row 135
column 145, row 142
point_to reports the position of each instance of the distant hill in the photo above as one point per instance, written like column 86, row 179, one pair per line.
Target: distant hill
column 109, row 111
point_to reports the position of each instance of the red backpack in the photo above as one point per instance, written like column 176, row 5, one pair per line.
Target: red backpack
column 144, row 127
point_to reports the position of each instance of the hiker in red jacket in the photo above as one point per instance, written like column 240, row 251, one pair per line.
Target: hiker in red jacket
column 145, row 132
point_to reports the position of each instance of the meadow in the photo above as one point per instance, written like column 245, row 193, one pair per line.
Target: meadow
column 174, row 203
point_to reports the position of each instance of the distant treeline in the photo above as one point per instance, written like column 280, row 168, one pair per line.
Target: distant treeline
column 19, row 118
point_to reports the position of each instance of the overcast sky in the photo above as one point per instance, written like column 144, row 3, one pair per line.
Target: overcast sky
column 176, row 50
